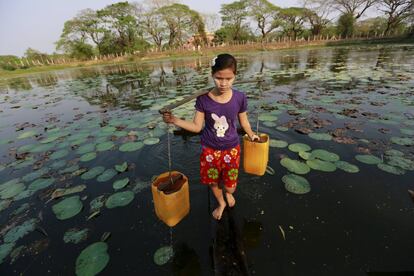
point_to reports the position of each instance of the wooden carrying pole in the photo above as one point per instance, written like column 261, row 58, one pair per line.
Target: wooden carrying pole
column 197, row 93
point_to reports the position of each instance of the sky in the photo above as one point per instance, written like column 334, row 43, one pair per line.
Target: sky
column 38, row 23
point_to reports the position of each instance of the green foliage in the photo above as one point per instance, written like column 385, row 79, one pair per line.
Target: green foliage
column 346, row 25
column 293, row 21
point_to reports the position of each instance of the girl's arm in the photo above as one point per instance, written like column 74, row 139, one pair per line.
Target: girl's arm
column 244, row 123
column 195, row 126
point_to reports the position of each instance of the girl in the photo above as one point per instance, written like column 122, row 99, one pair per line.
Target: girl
column 219, row 109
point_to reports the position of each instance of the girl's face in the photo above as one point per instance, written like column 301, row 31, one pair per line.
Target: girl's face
column 224, row 79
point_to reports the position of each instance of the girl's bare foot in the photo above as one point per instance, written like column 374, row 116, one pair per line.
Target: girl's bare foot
column 218, row 211
column 230, row 199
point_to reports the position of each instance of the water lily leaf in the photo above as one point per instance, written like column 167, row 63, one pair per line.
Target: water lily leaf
column 163, row 255
column 68, row 191
column 294, row 166
column 131, row 146
column 70, row 169
column 42, row 148
column 324, row 155
column 26, row 148
column 105, row 146
column 88, row 157
column 320, row 136
column 59, row 154
column 391, row 169
column 402, row 141
column 50, row 139
column 86, row 148
column 57, row 165
column 407, row 131
column 106, row 175
column 297, row 147
column 281, row 128
column 5, row 250
column 304, row 155
column 151, row 141
column 67, row 208
column 321, row 165
column 368, row 159
column 122, row 167
column 393, row 152
column 121, row 183
column 92, row 173
column 97, row 203
column 119, row 199
column 27, row 134
column 347, row 167
column 399, row 161
column 4, row 204
column 75, row 235
column 92, row 260
column 296, row 184
column 20, row 231
column 11, row 189
column 277, row 143
column 40, row 184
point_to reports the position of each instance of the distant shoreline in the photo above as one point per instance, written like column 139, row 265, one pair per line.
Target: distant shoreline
column 208, row 52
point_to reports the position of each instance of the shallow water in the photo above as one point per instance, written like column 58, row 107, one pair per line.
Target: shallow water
column 348, row 224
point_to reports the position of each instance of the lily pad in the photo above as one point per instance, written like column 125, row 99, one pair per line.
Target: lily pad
column 75, row 235
column 320, row 136
column 151, row 141
column 347, row 167
column 92, row 260
column 11, row 189
column 67, row 208
column 5, row 250
column 107, row 175
column 121, row 183
column 131, row 146
column 92, row 173
column 295, row 166
column 119, row 199
column 88, row 157
column 122, row 167
column 297, row 147
column 321, row 165
column 105, row 146
column 97, row 203
column 27, row 134
column 304, row 155
column 368, row 159
column 324, row 155
column 86, row 148
column 163, row 255
column 277, row 143
column 59, row 154
column 402, row 141
column 40, row 184
column 20, row 231
column 390, row 169
column 296, row 184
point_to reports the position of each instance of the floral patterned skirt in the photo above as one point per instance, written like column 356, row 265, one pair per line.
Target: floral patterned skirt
column 220, row 165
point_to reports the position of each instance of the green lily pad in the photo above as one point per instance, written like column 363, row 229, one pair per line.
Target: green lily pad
column 296, row 184
column 281, row 128
column 295, row 166
column 324, row 155
column 394, row 152
column 92, row 260
column 27, row 134
column 131, row 146
column 407, row 131
column 58, row 164
column 26, row 148
column 86, row 148
column 40, row 184
column 391, row 169
column 119, row 199
column 321, row 165
column 402, row 141
column 5, row 250
column 88, row 157
column 11, row 189
column 92, row 173
column 105, row 146
column 122, row 167
column 107, row 175
column 75, row 235
column 42, row 148
column 297, row 147
column 151, row 141
column 59, row 154
column 97, row 203
column 347, row 167
column 304, row 155
column 277, row 143
column 20, row 231
column 70, row 169
column 163, row 255
column 50, row 139
column 121, row 183
column 399, row 161
column 67, row 208
column 368, row 159
column 4, row 204
column 320, row 136
column 267, row 117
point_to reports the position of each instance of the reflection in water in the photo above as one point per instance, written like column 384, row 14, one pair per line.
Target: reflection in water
column 252, row 233
column 186, row 262
column 339, row 59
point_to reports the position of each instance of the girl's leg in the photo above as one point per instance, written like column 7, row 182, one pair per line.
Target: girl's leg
column 229, row 196
column 218, row 194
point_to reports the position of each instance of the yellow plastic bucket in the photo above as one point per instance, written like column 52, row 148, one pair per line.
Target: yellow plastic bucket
column 171, row 208
column 255, row 154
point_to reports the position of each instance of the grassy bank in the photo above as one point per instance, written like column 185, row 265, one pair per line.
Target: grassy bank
column 207, row 52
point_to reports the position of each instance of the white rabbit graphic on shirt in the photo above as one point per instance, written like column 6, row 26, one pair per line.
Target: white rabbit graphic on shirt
column 220, row 124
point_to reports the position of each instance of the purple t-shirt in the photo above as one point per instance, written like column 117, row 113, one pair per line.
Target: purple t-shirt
column 220, row 130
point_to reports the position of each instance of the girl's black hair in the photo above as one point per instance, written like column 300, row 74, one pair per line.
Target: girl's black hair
column 224, row 61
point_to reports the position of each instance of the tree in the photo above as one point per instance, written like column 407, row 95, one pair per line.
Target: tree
column 396, row 11
column 265, row 14
column 346, row 24
column 355, row 7
column 371, row 26
column 155, row 27
column 233, row 16
column 317, row 14
column 212, row 21
column 33, row 54
column 182, row 23
column 293, row 18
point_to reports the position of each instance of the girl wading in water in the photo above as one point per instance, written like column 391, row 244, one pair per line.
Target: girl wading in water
column 219, row 110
